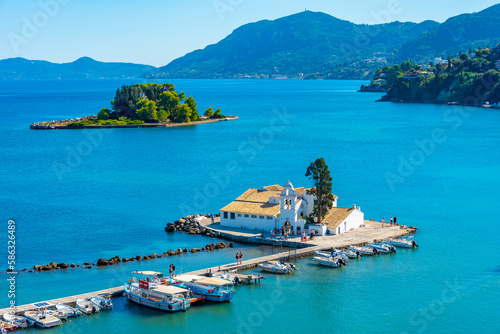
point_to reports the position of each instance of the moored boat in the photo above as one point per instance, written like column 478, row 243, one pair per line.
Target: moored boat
column 403, row 243
column 352, row 254
column 153, row 291
column 86, row 306
column 278, row 267
column 70, row 311
column 57, row 313
column 383, row 248
column 334, row 262
column 17, row 320
column 334, row 253
column 364, row 250
column 101, row 302
column 41, row 319
column 214, row 289
column 7, row 326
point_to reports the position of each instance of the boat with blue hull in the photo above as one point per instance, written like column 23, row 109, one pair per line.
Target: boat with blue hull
column 213, row 289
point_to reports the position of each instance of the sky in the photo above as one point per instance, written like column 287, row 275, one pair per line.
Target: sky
column 156, row 32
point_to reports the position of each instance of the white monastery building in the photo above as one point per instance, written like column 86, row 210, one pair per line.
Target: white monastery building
column 275, row 206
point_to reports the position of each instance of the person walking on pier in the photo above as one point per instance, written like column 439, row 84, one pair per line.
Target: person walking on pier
column 383, row 221
column 394, row 220
column 241, row 258
column 212, row 217
column 237, row 258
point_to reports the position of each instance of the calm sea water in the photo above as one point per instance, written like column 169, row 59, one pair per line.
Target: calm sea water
column 77, row 196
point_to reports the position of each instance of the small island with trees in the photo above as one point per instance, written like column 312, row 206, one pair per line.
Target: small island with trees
column 143, row 105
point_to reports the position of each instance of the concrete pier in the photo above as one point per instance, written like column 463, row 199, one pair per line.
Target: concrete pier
column 372, row 231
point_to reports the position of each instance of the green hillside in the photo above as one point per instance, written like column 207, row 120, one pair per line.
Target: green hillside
column 460, row 33
column 301, row 43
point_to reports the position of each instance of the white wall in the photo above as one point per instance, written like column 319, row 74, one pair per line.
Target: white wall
column 354, row 220
column 310, row 203
column 320, row 228
column 254, row 224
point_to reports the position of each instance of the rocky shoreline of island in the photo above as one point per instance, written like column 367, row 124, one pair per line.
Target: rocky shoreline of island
column 64, row 124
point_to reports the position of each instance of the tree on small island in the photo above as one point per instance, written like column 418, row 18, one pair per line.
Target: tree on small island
column 320, row 175
column 209, row 113
column 151, row 103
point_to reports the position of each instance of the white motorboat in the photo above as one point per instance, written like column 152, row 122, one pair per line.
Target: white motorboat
column 57, row 313
column 17, row 320
column 334, row 253
column 101, row 302
column 403, row 243
column 86, row 306
column 352, row 254
column 70, row 311
column 153, row 291
column 364, row 250
column 383, row 248
column 42, row 319
column 334, row 262
column 278, row 267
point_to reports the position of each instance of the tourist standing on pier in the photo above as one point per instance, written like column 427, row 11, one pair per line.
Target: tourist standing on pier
column 241, row 258
column 394, row 220
column 237, row 258
column 383, row 221
column 212, row 217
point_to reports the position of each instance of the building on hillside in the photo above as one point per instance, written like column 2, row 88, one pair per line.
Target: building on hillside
column 276, row 207
column 410, row 76
column 423, row 74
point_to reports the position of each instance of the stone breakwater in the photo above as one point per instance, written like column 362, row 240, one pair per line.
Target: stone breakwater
column 117, row 260
column 191, row 226
column 63, row 122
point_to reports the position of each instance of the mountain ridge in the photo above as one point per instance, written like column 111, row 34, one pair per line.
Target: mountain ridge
column 82, row 68
column 456, row 34
column 316, row 42
column 285, row 45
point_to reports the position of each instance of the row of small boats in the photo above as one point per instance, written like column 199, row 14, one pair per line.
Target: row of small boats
column 53, row 315
column 338, row 258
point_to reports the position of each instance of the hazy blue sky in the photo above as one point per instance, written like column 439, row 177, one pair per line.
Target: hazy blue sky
column 158, row 31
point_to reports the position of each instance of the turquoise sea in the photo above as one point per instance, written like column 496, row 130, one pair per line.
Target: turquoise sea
column 77, row 196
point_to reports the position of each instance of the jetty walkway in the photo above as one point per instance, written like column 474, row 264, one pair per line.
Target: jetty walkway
column 296, row 249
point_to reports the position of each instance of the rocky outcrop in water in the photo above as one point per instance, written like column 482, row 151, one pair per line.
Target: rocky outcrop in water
column 191, row 226
column 63, row 122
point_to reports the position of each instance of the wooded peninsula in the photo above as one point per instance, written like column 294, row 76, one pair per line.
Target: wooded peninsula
column 471, row 79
